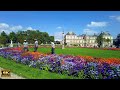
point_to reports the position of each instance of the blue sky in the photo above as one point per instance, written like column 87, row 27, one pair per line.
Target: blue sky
column 54, row 22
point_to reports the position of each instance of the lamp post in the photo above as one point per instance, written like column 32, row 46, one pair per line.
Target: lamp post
column 63, row 40
column 84, row 37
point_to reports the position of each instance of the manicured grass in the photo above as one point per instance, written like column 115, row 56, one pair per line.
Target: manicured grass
column 30, row 72
column 83, row 52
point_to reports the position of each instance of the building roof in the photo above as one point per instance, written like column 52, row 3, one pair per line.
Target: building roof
column 70, row 33
column 87, row 35
column 95, row 35
column 105, row 34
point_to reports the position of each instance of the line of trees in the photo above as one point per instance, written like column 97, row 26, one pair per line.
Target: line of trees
column 29, row 35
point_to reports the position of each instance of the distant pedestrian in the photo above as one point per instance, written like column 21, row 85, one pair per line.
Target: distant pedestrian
column 53, row 48
column 25, row 44
column 35, row 45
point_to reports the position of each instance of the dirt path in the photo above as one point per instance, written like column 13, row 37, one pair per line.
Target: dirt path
column 13, row 76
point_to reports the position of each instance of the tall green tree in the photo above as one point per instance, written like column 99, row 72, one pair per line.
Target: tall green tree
column 99, row 40
column 13, row 37
column 20, row 36
column 51, row 39
column 3, row 38
column 45, row 37
column 117, row 41
column 108, row 40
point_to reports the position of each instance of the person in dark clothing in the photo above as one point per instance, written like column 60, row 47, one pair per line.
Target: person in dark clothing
column 35, row 45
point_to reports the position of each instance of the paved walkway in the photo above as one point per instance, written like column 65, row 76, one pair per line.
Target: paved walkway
column 13, row 76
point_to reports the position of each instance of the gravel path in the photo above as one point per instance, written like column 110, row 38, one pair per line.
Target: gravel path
column 13, row 76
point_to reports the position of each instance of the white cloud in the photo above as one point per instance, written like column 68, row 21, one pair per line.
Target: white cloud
column 118, row 18
column 59, row 27
column 115, row 18
column 29, row 28
column 9, row 28
column 112, row 17
column 58, row 36
column 4, row 26
column 97, row 24
column 6, row 31
column 16, row 28
column 89, row 31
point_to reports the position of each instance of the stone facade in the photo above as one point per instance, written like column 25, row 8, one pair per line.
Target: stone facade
column 84, row 40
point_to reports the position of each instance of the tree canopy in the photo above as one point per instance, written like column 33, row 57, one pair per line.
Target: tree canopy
column 117, row 41
column 29, row 35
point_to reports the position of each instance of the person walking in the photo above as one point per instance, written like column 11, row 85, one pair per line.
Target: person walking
column 25, row 46
column 53, row 48
column 35, row 45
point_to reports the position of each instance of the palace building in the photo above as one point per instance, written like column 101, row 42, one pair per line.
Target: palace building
column 86, row 40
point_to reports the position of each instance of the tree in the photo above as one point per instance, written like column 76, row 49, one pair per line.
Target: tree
column 51, row 39
column 117, row 41
column 20, row 36
column 45, row 37
column 100, row 40
column 3, row 38
column 13, row 37
column 29, row 35
column 108, row 40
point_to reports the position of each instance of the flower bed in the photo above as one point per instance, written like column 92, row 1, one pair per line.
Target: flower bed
column 87, row 66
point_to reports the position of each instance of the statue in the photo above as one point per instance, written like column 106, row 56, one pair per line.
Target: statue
column 18, row 44
column 11, row 44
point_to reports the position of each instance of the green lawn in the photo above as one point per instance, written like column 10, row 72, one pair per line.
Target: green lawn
column 29, row 72
column 83, row 52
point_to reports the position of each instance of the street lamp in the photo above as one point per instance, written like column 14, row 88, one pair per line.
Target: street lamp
column 84, row 37
column 63, row 40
